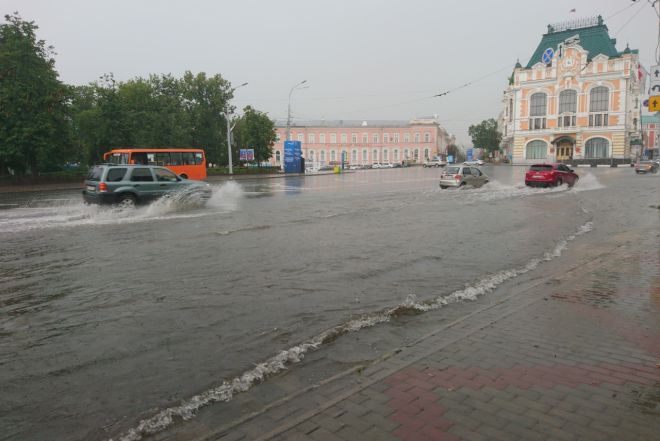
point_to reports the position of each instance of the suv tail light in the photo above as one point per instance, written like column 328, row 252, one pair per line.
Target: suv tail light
column 103, row 187
column 457, row 177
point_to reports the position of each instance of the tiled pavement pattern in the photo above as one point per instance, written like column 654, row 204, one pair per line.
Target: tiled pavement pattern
column 578, row 359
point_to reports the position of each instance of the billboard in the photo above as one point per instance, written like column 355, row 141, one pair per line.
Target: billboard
column 292, row 157
column 246, row 154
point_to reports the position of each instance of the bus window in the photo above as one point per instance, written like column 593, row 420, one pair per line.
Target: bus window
column 187, row 158
column 163, row 158
column 118, row 158
column 139, row 158
column 199, row 159
column 151, row 159
column 175, row 158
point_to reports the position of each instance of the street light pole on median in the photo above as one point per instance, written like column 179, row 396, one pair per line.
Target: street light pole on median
column 288, row 115
column 231, row 168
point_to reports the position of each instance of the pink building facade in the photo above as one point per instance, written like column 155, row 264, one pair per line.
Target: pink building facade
column 365, row 142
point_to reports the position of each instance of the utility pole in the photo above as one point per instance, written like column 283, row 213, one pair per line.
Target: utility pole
column 288, row 115
column 231, row 168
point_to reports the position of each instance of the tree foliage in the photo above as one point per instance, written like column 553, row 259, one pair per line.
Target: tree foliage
column 255, row 130
column 34, row 112
column 486, row 136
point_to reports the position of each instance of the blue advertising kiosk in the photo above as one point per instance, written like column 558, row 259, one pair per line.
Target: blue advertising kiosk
column 293, row 157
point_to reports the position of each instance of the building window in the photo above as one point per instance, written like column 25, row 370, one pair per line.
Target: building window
column 406, row 137
column 322, row 154
column 537, row 111
column 406, row 154
column 301, row 137
column 311, row 155
column 364, row 155
column 416, row 154
column 426, row 153
column 386, row 138
column 396, row 137
column 333, row 138
column 354, row 138
column 599, row 104
column 365, row 138
column 537, row 150
column 567, row 108
column 375, row 138
column 344, row 138
column 333, row 155
column 277, row 156
column 427, row 137
column 416, row 138
column 374, row 155
column 386, row 156
column 596, row 148
column 322, row 138
column 311, row 138
column 396, row 155
column 354, row 156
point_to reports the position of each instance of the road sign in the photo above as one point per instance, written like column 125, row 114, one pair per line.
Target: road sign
column 654, row 103
column 547, row 55
column 655, row 80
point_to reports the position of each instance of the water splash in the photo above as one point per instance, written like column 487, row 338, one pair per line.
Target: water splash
column 227, row 389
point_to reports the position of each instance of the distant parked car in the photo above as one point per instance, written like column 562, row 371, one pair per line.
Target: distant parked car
column 387, row 165
column 462, row 175
column 434, row 163
column 550, row 175
column 474, row 162
column 129, row 185
column 376, row 165
column 646, row 167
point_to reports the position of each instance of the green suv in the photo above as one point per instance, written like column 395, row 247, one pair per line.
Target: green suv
column 128, row 185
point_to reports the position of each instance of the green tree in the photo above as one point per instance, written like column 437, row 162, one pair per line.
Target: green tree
column 34, row 121
column 486, row 136
column 255, row 130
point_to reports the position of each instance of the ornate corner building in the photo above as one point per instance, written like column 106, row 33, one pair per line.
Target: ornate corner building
column 576, row 101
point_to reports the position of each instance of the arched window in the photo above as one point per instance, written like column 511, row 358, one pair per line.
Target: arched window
column 354, row 156
column 311, row 155
column 567, row 108
column 406, row 154
column 537, row 150
column 277, row 156
column 596, row 148
column 426, row 153
column 386, row 155
column 322, row 156
column 599, row 104
column 374, row 155
column 537, row 110
column 416, row 153
column 396, row 154
column 416, row 137
column 333, row 155
column 427, row 137
column 364, row 155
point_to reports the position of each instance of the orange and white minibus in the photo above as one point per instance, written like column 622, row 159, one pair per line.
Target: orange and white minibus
column 187, row 163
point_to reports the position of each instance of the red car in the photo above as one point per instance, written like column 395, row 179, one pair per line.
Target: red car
column 550, row 175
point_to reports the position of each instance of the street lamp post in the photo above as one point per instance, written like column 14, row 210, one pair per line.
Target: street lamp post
column 288, row 115
column 231, row 168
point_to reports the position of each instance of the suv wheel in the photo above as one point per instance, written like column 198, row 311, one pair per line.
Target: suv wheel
column 126, row 200
column 559, row 182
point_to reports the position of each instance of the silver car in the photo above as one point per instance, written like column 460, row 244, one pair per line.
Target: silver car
column 462, row 175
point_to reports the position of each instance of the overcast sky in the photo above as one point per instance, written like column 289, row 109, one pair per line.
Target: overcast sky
column 363, row 59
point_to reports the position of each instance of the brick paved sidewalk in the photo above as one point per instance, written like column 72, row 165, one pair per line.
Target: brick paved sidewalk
column 574, row 357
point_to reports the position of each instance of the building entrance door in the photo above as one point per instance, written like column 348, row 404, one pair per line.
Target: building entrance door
column 564, row 151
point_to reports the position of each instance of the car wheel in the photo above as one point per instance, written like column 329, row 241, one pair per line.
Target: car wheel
column 126, row 200
column 559, row 183
column 444, row 187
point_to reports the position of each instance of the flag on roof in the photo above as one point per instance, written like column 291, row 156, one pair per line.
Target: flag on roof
column 572, row 10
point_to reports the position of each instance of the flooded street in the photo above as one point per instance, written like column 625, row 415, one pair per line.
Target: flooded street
column 109, row 317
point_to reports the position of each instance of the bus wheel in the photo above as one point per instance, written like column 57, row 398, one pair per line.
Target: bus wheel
column 184, row 176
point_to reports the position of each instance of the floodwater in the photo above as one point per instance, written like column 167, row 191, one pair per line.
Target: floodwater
column 116, row 323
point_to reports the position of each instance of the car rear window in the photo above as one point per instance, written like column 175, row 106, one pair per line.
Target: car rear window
column 452, row 170
column 541, row 167
column 116, row 174
column 95, row 174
